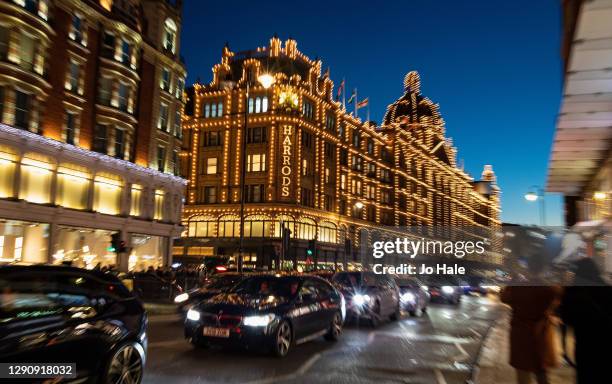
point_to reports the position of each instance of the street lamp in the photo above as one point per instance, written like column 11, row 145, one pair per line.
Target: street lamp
column 537, row 193
column 266, row 80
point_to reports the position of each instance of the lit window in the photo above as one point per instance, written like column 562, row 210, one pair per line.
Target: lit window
column 163, row 117
column 72, row 186
column 36, row 174
column 7, row 171
column 256, row 162
column 170, row 31
column 107, row 4
column 211, row 166
column 159, row 205
column 107, row 194
column 27, row 51
column 135, row 203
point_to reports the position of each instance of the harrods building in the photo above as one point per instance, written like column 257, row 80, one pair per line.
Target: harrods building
column 313, row 166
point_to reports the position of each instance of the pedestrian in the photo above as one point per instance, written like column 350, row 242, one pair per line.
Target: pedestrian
column 532, row 328
column 587, row 308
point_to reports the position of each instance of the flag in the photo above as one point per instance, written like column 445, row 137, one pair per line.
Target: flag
column 363, row 103
column 352, row 98
column 340, row 89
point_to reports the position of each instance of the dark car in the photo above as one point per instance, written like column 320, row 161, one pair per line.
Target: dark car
column 369, row 296
column 444, row 289
column 149, row 286
column 53, row 314
column 212, row 286
column 271, row 311
column 414, row 298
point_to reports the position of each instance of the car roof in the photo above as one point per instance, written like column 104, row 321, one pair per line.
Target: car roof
column 8, row 269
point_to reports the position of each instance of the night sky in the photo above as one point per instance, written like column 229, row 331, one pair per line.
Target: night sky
column 493, row 66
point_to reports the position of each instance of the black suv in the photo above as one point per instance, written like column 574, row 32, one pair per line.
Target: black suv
column 52, row 314
column 369, row 296
column 272, row 311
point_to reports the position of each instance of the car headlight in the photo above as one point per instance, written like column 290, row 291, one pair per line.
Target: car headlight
column 425, row 288
column 193, row 315
column 360, row 300
column 181, row 298
column 447, row 289
column 258, row 321
column 408, row 297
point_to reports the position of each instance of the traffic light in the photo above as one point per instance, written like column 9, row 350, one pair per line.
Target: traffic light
column 312, row 244
column 116, row 244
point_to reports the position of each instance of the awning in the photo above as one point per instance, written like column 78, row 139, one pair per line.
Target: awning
column 584, row 126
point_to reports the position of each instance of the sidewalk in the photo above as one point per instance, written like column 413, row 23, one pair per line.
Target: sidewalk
column 493, row 366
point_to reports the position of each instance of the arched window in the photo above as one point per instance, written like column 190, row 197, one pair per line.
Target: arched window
column 213, row 112
column 220, row 109
column 207, row 110
column 258, row 105
column 202, row 226
column 169, row 39
column 250, row 105
column 286, row 221
column 257, row 226
column 306, row 229
column 229, row 226
column 328, row 232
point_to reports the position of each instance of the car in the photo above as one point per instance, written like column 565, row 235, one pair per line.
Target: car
column 270, row 311
column 414, row 298
column 148, row 286
column 212, row 286
column 444, row 289
column 60, row 314
column 369, row 296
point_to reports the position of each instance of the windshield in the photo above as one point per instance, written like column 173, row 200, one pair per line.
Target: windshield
column 355, row 279
column 267, row 285
column 219, row 282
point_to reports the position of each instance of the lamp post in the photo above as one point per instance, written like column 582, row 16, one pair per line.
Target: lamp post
column 266, row 80
column 537, row 193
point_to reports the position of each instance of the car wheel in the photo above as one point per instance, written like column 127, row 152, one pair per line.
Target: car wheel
column 283, row 338
column 125, row 366
column 335, row 329
column 375, row 315
column 424, row 310
column 414, row 313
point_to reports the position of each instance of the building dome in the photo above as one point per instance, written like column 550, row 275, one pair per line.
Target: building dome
column 412, row 107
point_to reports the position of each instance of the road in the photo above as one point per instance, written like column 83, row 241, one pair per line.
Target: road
column 438, row 348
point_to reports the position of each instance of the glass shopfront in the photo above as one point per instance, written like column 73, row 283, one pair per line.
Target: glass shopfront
column 83, row 247
column 23, row 242
column 147, row 251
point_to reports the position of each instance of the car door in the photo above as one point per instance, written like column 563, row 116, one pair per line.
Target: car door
column 328, row 301
column 305, row 312
column 49, row 321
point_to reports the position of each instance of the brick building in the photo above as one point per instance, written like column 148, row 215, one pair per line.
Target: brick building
column 91, row 97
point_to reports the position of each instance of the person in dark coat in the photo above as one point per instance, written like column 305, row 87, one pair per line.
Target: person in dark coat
column 532, row 330
column 587, row 308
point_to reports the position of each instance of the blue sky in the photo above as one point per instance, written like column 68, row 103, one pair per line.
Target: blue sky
column 493, row 66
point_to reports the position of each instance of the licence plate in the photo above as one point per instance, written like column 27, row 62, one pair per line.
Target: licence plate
column 216, row 332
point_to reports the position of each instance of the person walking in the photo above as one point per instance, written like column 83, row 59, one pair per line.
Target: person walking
column 532, row 330
column 587, row 308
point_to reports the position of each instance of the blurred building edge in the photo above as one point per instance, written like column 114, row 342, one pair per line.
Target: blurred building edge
column 315, row 167
column 581, row 160
column 91, row 98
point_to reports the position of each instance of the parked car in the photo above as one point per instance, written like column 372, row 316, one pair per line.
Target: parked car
column 212, row 286
column 414, row 298
column 271, row 311
column 56, row 314
column 369, row 296
column 149, row 286
column 445, row 289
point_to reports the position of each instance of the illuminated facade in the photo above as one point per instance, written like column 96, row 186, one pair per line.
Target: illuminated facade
column 313, row 166
column 91, row 97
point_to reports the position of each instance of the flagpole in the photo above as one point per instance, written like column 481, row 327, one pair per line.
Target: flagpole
column 355, row 103
column 368, row 111
column 344, row 93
